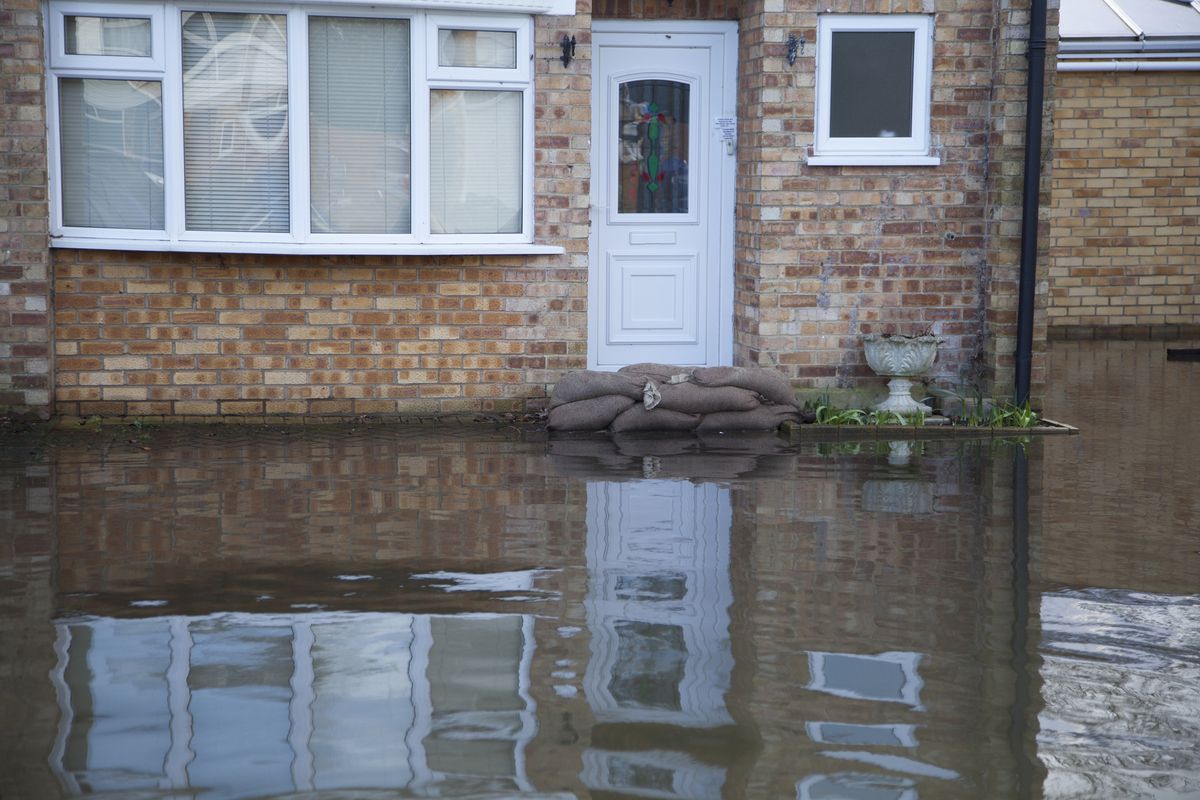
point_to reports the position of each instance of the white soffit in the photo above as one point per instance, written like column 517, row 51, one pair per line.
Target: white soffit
column 1090, row 19
column 1163, row 17
column 1133, row 20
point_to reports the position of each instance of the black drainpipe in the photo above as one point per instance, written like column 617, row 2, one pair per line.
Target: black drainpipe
column 1029, row 203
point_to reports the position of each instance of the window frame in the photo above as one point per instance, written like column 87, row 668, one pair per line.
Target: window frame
column 915, row 150
column 59, row 58
column 165, row 66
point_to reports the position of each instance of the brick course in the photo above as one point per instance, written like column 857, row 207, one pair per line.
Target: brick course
column 1125, row 243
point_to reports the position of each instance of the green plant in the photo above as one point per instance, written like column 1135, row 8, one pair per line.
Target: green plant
column 1017, row 416
column 884, row 417
column 1011, row 415
column 828, row 415
column 999, row 416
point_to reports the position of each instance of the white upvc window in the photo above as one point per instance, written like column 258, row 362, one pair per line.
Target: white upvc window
column 300, row 128
column 873, row 90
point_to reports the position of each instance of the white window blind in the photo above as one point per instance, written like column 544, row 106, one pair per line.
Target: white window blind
column 175, row 125
column 112, row 153
column 235, row 109
column 359, row 124
column 475, row 161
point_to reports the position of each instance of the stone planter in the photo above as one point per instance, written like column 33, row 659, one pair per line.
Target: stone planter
column 900, row 358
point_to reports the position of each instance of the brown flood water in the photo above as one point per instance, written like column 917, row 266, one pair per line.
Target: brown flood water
column 387, row 612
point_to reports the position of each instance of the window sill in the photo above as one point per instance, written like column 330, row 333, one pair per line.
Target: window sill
column 873, row 161
column 315, row 249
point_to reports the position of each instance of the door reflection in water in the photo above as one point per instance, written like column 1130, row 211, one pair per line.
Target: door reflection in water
column 244, row 705
column 658, row 611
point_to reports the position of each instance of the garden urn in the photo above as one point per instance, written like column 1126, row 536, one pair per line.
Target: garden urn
column 901, row 358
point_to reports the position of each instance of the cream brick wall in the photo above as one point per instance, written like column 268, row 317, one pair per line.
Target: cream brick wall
column 827, row 253
column 1125, row 242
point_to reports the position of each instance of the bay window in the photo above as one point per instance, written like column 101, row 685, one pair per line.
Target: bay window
column 236, row 128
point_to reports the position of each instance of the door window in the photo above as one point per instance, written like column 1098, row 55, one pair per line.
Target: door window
column 653, row 141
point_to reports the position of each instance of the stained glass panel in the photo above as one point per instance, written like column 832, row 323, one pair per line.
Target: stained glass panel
column 653, row 140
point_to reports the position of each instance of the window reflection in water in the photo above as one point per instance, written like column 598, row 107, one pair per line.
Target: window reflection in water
column 886, row 677
column 652, row 773
column 649, row 667
column 241, row 704
column 856, row 786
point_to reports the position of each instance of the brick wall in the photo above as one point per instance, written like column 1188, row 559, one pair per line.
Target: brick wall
column 201, row 335
column 827, row 253
column 1125, row 243
column 251, row 336
column 822, row 254
column 25, row 362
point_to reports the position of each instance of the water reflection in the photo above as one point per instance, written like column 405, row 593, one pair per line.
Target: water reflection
column 658, row 613
column 1121, row 693
column 463, row 615
column 883, row 678
column 235, row 705
column 441, row 612
column 658, row 602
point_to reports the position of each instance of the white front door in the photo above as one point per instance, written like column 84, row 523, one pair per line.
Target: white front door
column 660, row 280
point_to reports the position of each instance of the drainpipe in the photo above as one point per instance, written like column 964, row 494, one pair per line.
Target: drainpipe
column 1029, row 204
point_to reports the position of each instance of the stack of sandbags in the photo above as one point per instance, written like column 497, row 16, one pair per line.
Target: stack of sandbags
column 661, row 397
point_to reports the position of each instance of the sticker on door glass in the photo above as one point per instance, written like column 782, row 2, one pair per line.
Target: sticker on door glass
column 652, row 162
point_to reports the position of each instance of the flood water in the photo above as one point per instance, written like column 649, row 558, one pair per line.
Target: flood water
column 486, row 612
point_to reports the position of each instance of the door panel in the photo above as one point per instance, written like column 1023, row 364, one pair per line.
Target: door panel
column 660, row 279
column 654, row 300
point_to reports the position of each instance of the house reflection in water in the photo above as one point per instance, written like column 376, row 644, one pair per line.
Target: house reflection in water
column 658, row 612
column 658, row 609
column 710, row 622
column 237, row 704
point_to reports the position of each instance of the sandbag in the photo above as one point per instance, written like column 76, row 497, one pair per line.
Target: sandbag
column 639, row 419
column 589, row 384
column 767, row 382
column 594, row 414
column 661, row 373
column 692, row 398
column 763, row 418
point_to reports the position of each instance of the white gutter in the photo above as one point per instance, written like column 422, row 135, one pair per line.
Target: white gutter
column 1128, row 66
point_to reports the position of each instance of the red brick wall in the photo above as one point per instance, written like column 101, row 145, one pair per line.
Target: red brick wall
column 262, row 335
column 662, row 9
column 25, row 363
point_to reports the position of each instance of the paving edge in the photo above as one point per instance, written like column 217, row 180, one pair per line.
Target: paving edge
column 796, row 430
